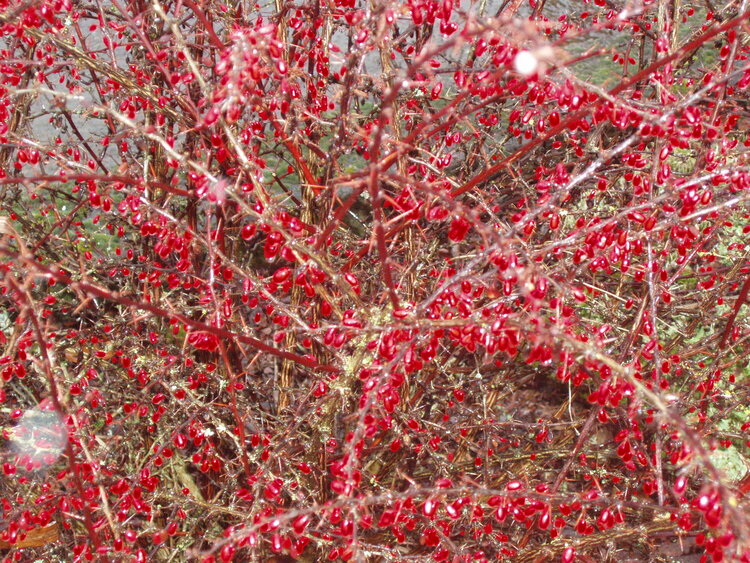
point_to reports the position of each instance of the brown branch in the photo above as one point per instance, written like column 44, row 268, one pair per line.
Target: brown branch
column 97, row 291
column 730, row 323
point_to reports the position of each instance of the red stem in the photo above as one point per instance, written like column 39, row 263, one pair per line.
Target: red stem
column 309, row 178
column 207, row 24
column 740, row 300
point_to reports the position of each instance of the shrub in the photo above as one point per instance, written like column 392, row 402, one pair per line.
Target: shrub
column 374, row 281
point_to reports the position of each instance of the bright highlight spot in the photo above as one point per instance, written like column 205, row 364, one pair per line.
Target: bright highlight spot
column 39, row 438
column 526, row 63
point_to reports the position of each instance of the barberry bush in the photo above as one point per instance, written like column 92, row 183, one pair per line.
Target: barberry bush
column 370, row 280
